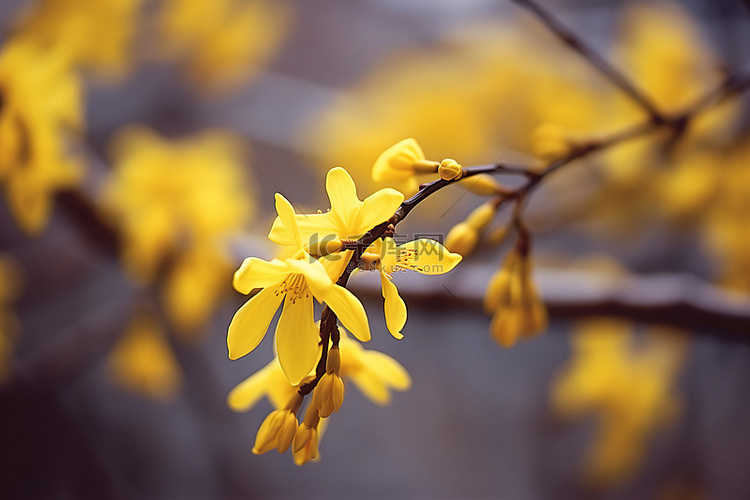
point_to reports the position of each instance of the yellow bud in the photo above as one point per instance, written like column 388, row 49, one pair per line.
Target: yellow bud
column 482, row 184
column 462, row 239
column 301, row 437
column 497, row 236
column 328, row 395
column 266, row 438
column 286, row 432
column 333, row 364
column 450, row 170
column 481, row 216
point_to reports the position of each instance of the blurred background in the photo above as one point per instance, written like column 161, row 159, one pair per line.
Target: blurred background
column 141, row 144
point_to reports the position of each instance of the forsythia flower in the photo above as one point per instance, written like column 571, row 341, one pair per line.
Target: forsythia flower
column 295, row 281
column 512, row 299
column 348, row 219
column 40, row 100
column 401, row 163
column 224, row 42
column 373, row 372
column 177, row 203
column 142, row 360
column 424, row 256
column 628, row 388
column 93, row 34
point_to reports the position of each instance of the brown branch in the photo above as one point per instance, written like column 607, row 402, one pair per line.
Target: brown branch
column 610, row 72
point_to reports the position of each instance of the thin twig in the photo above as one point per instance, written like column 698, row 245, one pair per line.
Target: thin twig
column 573, row 41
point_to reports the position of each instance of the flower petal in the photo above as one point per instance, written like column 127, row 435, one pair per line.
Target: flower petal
column 288, row 218
column 248, row 392
column 378, row 207
column 297, row 338
column 393, row 306
column 372, row 386
column 314, row 272
column 391, row 372
column 250, row 322
column 426, row 256
column 349, row 310
column 259, row 273
column 343, row 195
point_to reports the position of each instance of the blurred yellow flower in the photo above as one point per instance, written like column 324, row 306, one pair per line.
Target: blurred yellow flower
column 177, row 203
column 512, row 299
column 223, row 42
column 10, row 327
column 504, row 79
column 726, row 218
column 374, row 373
column 627, row 388
column 40, row 112
column 142, row 360
column 96, row 35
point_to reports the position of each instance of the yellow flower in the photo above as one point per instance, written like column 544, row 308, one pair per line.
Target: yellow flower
column 94, row 34
column 374, row 373
column 628, row 388
column 401, row 163
column 223, row 42
column 512, row 299
column 424, row 256
column 278, row 429
column 40, row 100
column 348, row 219
column 269, row 381
column 177, row 203
column 295, row 282
column 142, row 360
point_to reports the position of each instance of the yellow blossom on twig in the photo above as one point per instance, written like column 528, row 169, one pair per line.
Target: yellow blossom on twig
column 295, row 281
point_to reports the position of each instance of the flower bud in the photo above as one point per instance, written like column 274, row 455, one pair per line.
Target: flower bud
column 481, row 216
column 333, row 363
column 482, row 185
column 462, row 239
column 450, row 170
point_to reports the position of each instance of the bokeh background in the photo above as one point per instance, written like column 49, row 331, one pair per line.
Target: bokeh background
column 141, row 143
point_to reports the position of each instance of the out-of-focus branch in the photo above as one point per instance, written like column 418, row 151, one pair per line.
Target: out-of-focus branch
column 572, row 40
column 676, row 299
